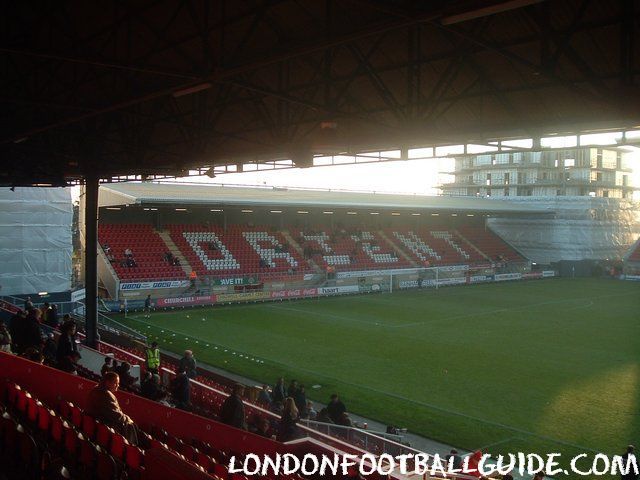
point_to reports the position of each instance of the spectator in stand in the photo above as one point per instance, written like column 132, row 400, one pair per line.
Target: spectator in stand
column 454, row 460
column 16, row 329
column 293, row 388
column 69, row 363
column 323, row 416
column 312, row 414
column 264, row 396
column 128, row 253
column 107, row 366
column 45, row 311
column 336, row 408
column 300, row 397
column 66, row 342
column 50, row 350
column 180, row 392
column 263, row 428
column 278, row 392
column 126, row 379
column 345, row 420
column 33, row 354
column 288, row 428
column 52, row 317
column 32, row 336
column 188, row 364
column 153, row 358
column 5, row 338
column 28, row 304
column 232, row 411
column 150, row 386
column 106, row 248
column 193, row 276
column 103, row 405
column 629, row 456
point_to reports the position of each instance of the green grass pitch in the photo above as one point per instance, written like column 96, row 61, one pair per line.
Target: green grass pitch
column 538, row 366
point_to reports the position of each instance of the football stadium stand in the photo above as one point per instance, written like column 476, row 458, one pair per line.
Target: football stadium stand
column 265, row 253
column 147, row 250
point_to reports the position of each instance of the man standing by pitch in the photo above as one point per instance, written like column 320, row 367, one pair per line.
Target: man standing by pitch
column 147, row 307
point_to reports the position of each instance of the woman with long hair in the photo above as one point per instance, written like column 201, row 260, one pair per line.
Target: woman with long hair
column 288, row 429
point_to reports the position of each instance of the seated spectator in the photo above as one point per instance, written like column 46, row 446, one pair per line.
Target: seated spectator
column 128, row 252
column 336, row 408
column 264, row 396
column 323, row 416
column 130, row 262
column 126, row 379
column 106, row 248
column 67, row 341
column 150, row 386
column 188, row 364
column 288, row 428
column 232, row 411
column 345, row 420
column 311, row 411
column 107, row 366
column 454, row 459
column 33, row 354
column 103, row 405
column 110, row 257
column 5, row 338
column 262, row 428
column 277, row 408
column 49, row 350
column 69, row 363
column 181, row 392
column 175, row 262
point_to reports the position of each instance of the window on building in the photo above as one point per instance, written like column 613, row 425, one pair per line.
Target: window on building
column 599, row 157
column 545, row 175
column 488, row 179
column 592, row 193
column 625, row 180
column 569, row 162
column 605, row 193
column 558, row 193
column 520, row 177
column 511, row 158
column 488, row 192
column 506, row 179
column 506, row 192
column 599, row 176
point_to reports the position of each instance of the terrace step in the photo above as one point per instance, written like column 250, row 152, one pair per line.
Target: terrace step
column 471, row 244
column 397, row 249
column 175, row 251
column 296, row 246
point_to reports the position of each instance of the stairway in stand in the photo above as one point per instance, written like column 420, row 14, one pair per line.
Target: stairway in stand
column 175, row 251
column 471, row 244
column 296, row 246
column 397, row 249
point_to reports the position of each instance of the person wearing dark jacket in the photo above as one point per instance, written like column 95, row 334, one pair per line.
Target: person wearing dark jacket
column 293, row 388
column 336, row 408
column 278, row 394
column 52, row 319
column 188, row 364
column 232, row 411
column 323, row 416
column 300, row 397
column 630, row 457
column 49, row 351
column 16, row 330
column 67, row 341
column 32, row 334
column 180, row 392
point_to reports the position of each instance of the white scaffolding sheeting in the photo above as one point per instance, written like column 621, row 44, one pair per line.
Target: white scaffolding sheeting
column 35, row 240
column 582, row 228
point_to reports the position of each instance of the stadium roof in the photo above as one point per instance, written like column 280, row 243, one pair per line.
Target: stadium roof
column 211, row 195
column 157, row 87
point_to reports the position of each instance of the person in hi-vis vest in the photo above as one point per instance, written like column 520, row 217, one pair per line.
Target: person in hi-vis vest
column 153, row 358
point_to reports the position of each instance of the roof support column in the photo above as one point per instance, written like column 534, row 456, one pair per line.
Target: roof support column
column 90, row 259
